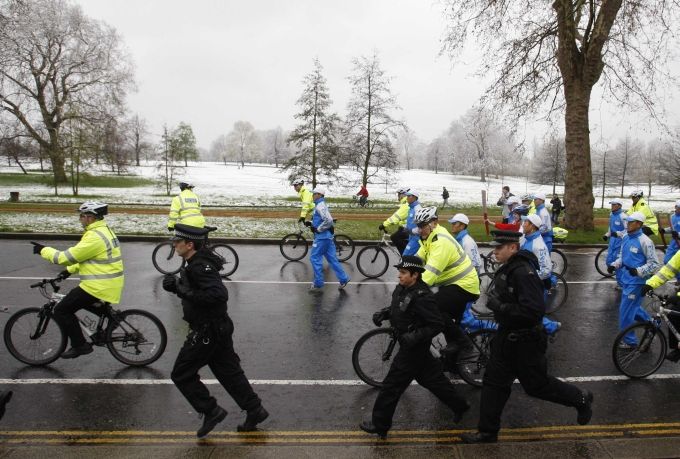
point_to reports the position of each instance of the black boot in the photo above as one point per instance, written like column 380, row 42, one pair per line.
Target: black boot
column 253, row 418
column 210, row 420
column 5, row 397
column 369, row 427
column 458, row 415
column 479, row 437
column 585, row 410
column 77, row 351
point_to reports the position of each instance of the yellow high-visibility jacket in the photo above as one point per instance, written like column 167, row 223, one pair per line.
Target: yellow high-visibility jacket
column 307, row 202
column 186, row 209
column 398, row 218
column 650, row 218
column 666, row 273
column 98, row 260
column 532, row 208
column 446, row 262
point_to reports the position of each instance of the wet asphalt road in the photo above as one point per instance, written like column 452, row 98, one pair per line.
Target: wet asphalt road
column 297, row 346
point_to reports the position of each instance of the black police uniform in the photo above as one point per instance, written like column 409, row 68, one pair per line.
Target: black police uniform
column 518, row 350
column 414, row 313
column 209, row 342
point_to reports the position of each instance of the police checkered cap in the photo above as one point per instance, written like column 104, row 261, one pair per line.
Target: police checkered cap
column 411, row 262
column 504, row 237
column 192, row 233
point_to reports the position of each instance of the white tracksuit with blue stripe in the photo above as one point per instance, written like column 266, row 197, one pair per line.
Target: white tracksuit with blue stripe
column 534, row 243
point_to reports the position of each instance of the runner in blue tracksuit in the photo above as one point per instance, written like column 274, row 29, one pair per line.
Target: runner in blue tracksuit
column 546, row 220
column 324, row 246
column 617, row 229
column 413, row 239
column 673, row 230
column 637, row 262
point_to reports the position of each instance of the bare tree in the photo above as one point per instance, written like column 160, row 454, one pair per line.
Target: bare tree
column 624, row 155
column 137, row 133
column 406, row 141
column 540, row 56
column 274, row 148
column 548, row 166
column 435, row 154
column 242, row 141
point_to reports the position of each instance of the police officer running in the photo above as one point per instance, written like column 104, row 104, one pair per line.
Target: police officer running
column 306, row 199
column 518, row 350
column 398, row 219
column 414, row 314
column 209, row 342
column 185, row 208
column 98, row 260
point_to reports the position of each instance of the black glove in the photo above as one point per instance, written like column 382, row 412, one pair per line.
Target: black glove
column 37, row 247
column 646, row 230
column 646, row 289
column 633, row 272
column 381, row 227
column 183, row 289
column 379, row 316
column 611, row 269
column 171, row 229
column 301, row 220
column 170, row 283
column 674, row 234
column 547, row 283
column 408, row 340
column 314, row 230
column 662, row 231
column 605, row 238
column 64, row 275
column 494, row 303
column 307, row 224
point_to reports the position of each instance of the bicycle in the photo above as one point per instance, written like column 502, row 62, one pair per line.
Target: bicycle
column 164, row 260
column 645, row 358
column 133, row 337
column 373, row 260
column 373, row 352
column 601, row 260
column 357, row 202
column 294, row 246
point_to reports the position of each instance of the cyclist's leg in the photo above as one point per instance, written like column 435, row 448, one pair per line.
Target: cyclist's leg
column 451, row 301
column 400, row 239
column 65, row 314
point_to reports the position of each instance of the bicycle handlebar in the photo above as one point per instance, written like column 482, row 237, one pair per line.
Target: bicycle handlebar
column 44, row 282
column 210, row 228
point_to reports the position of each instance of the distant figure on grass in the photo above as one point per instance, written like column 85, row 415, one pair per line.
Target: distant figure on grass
column 445, row 197
column 363, row 195
column 556, row 204
column 503, row 201
column 185, row 208
column 306, row 199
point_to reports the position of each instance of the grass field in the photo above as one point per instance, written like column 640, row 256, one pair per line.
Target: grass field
column 86, row 180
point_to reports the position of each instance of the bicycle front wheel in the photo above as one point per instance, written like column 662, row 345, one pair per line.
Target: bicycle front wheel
column 372, row 355
column 344, row 247
column 601, row 262
column 471, row 368
column 230, row 259
column 31, row 340
column 644, row 358
column 559, row 261
column 372, row 261
column 557, row 295
column 136, row 337
column 165, row 260
column 293, row 247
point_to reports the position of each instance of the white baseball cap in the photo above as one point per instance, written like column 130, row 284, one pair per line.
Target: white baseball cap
column 534, row 219
column 462, row 218
column 636, row 216
column 320, row 190
column 619, row 202
column 413, row 192
column 513, row 200
column 539, row 196
column 677, row 203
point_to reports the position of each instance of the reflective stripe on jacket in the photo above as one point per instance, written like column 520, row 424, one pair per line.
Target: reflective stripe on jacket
column 98, row 260
column 650, row 218
column 446, row 262
column 398, row 218
column 186, row 209
column 666, row 273
column 307, row 202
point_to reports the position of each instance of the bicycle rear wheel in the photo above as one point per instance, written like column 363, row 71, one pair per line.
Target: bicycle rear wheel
column 165, row 260
column 471, row 368
column 230, row 259
column 372, row 355
column 293, row 247
column 644, row 358
column 344, row 247
column 372, row 261
column 557, row 295
column 601, row 262
column 136, row 337
column 559, row 261
column 31, row 340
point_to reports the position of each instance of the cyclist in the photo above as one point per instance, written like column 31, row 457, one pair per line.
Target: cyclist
column 637, row 262
column 413, row 313
column 413, row 238
column 306, row 198
column 673, row 231
column 98, row 260
column 363, row 195
column 617, row 229
column 209, row 342
column 449, row 268
column 546, row 221
column 398, row 219
column 185, row 208
column 651, row 226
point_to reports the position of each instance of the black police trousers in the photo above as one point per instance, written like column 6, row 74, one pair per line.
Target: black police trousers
column 522, row 359
column 65, row 313
column 211, row 344
column 400, row 239
column 418, row 364
column 451, row 301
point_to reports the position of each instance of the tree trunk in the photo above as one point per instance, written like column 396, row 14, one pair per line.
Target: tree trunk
column 578, row 196
column 57, row 160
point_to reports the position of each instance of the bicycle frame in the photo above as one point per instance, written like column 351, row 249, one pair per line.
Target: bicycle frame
column 663, row 313
column 386, row 242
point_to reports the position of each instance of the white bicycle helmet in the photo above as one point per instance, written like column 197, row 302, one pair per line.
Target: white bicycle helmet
column 184, row 185
column 402, row 190
column 99, row 209
column 527, row 197
column 298, row 182
column 425, row 215
column 637, row 193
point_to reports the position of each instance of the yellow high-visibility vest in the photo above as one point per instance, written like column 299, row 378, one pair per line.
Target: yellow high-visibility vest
column 186, row 209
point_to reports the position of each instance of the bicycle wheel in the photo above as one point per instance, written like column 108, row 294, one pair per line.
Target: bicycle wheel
column 344, row 247
column 31, row 340
column 293, row 247
column 230, row 259
column 601, row 262
column 485, row 286
column 165, row 260
column 557, row 295
column 559, row 261
column 646, row 357
column 372, row 261
column 136, row 337
column 372, row 355
column 471, row 368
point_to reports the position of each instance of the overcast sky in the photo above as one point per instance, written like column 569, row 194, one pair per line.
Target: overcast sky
column 211, row 63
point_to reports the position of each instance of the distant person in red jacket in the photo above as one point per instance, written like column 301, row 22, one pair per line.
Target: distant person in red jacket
column 363, row 195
